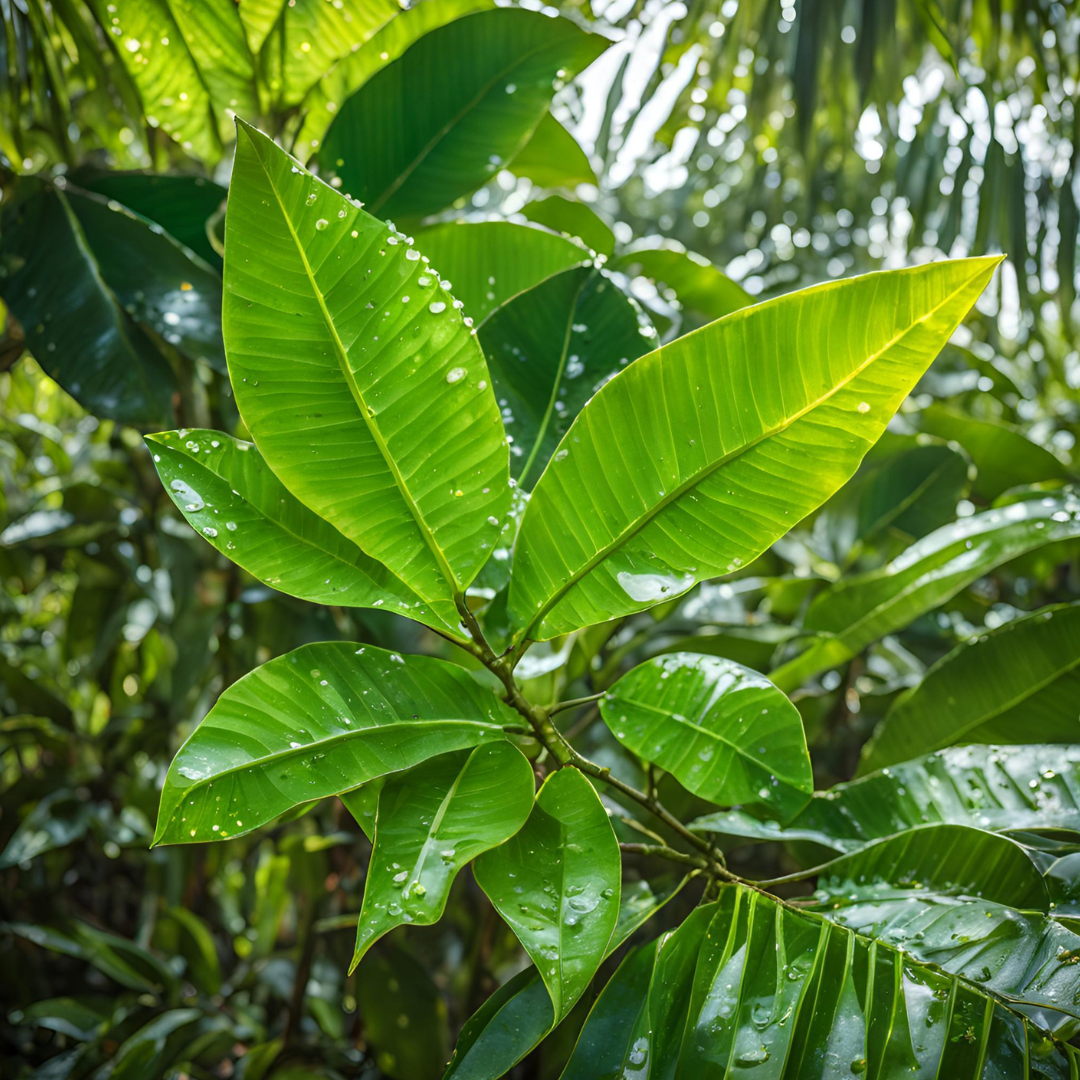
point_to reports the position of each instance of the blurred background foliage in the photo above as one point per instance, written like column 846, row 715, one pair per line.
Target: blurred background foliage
column 780, row 142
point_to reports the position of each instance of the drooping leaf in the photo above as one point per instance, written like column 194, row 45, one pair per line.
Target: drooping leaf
column 553, row 157
column 458, row 104
column 433, row 820
column 318, row 721
column 695, row 458
column 181, row 205
column 191, row 63
column 573, row 218
column 361, row 385
column 860, row 609
column 549, row 350
column 723, row 731
column 556, row 882
column 489, row 263
column 354, row 68
column 74, row 323
column 160, row 284
column 748, row 985
column 1004, row 457
column 1018, row 683
column 518, row 1016
column 230, row 497
column 987, row 787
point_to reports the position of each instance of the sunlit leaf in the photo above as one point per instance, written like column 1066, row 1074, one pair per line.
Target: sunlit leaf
column 694, row 459
column 573, row 218
column 553, row 158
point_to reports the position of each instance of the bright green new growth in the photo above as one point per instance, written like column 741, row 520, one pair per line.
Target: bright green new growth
column 379, row 477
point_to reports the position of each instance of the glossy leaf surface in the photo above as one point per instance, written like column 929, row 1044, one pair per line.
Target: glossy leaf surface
column 549, row 350
column 740, row 429
column 556, row 882
column 228, row 495
column 862, row 608
column 490, row 262
column 723, row 731
column 997, row 788
column 433, row 820
column 406, row 142
column 75, row 326
column 361, row 385
column 318, row 721
column 1018, row 683
column 746, row 985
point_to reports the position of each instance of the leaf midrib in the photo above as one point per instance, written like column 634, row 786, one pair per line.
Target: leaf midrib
column 696, row 478
column 366, row 415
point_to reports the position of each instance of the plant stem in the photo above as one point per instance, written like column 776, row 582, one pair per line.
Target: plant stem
column 662, row 851
column 573, row 703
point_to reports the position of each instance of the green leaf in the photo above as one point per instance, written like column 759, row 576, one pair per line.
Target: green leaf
column 1004, row 457
column 431, row 822
column 181, row 205
column 191, row 63
column 518, row 1016
column 699, row 292
column 549, row 350
column 573, row 219
column 74, row 323
column 365, row 392
column 59, row 819
column 695, row 458
column 988, row 787
column 404, row 1016
column 723, row 731
column 556, row 882
column 1020, row 682
column 490, row 262
column 363, row 804
column 935, row 862
column 860, row 609
column 224, row 489
column 354, row 69
column 553, row 158
column 318, row 721
column 748, row 985
column 310, row 36
column 160, row 284
column 459, row 103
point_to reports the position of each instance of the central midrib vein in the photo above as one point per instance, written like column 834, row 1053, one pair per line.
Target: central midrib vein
column 361, row 404
column 696, row 478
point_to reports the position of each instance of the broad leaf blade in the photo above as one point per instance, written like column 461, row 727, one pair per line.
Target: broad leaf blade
column 433, row 820
column 318, row 721
column 361, row 385
column 230, row 497
column 723, row 731
column 694, row 459
column 549, row 350
column 553, row 158
column 556, row 882
column 462, row 101
column 863, row 608
column 1020, row 682
column 999, row 788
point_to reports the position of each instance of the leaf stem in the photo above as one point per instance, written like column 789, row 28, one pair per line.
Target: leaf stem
column 574, row 703
column 662, row 851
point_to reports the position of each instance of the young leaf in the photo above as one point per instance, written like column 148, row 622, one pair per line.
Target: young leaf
column 723, row 731
column 488, row 263
column 1020, row 682
column 988, row 787
column 858, row 610
column 433, row 820
column 361, row 385
column 695, row 458
column 318, row 721
column 556, row 882
column 228, row 495
column 75, row 325
column 549, row 350
column 409, row 141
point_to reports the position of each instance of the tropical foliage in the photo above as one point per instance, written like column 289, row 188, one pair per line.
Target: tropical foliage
column 491, row 588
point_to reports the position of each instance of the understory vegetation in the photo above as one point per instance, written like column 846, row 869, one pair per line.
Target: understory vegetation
column 539, row 542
